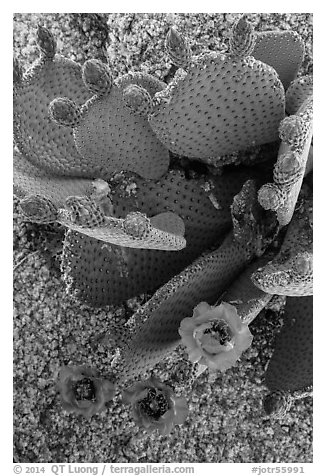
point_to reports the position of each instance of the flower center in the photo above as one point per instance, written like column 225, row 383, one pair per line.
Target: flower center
column 154, row 404
column 84, row 390
column 220, row 331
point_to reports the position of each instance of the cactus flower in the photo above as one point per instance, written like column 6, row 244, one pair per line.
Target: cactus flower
column 215, row 336
column 82, row 391
column 155, row 406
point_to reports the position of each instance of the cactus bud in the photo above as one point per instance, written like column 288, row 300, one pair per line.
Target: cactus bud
column 97, row 77
column 290, row 130
column 277, row 404
column 177, row 49
column 137, row 225
column 303, row 264
column 39, row 209
column 64, row 112
column 46, row 42
column 243, row 38
column 294, row 130
column 84, row 212
column 288, row 169
column 138, row 100
column 271, row 197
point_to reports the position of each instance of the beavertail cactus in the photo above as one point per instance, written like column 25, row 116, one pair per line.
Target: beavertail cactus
column 30, row 180
column 91, row 215
column 157, row 331
column 43, row 143
column 109, row 130
column 290, row 371
column 177, row 49
column 205, row 279
column 283, row 50
column 162, row 232
column 102, row 274
column 290, row 273
column 222, row 104
column 132, row 168
column 296, row 134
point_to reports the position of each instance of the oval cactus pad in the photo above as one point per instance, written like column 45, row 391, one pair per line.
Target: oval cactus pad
column 45, row 143
column 222, row 105
column 102, row 273
column 283, row 50
column 117, row 137
column 290, row 368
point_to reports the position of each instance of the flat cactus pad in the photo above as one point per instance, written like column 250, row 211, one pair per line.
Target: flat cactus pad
column 294, row 159
column 161, row 232
column 290, row 368
column 44, row 143
column 118, row 139
column 101, row 273
column 290, row 273
column 222, row 105
column 159, row 320
column 283, row 50
column 245, row 296
column 31, row 180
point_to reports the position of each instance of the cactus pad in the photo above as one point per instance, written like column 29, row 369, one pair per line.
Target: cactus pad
column 101, row 273
column 245, row 296
column 31, row 180
column 290, row 368
column 43, row 142
column 290, row 272
column 211, row 111
column 136, row 230
column 109, row 135
column 283, row 50
column 292, row 162
column 158, row 321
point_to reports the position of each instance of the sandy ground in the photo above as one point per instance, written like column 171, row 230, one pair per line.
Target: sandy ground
column 226, row 422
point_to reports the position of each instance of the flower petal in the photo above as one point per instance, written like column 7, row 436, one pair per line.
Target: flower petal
column 201, row 308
